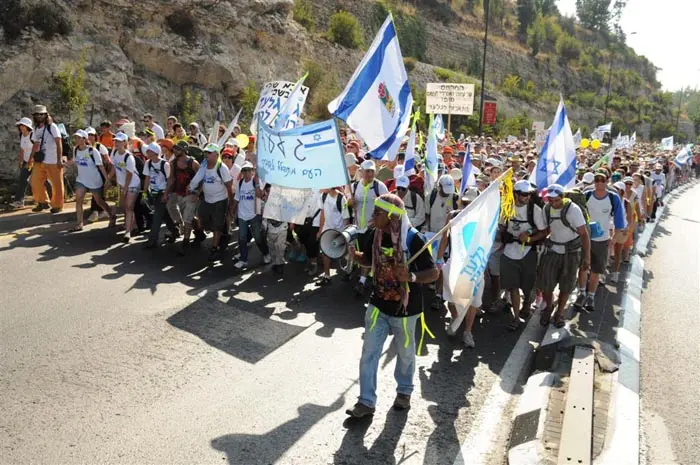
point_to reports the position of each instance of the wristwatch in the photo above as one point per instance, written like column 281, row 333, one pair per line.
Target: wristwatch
column 412, row 277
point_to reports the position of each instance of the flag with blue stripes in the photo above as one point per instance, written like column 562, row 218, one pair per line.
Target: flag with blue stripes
column 409, row 163
column 683, row 157
column 292, row 107
column 557, row 161
column 667, row 143
column 439, row 125
column 431, row 159
column 377, row 100
column 468, row 178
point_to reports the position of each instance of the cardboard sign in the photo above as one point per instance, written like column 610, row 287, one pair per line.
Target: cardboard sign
column 449, row 99
column 287, row 204
column 273, row 96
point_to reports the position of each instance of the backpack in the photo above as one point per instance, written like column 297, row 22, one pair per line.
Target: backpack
column 433, row 197
column 240, row 183
column 65, row 141
column 139, row 165
column 564, row 213
column 161, row 169
column 338, row 201
column 588, row 195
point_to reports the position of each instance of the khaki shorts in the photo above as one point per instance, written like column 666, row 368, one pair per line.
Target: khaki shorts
column 186, row 205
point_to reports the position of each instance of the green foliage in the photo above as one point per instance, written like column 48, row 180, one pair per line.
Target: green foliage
column 189, row 106
column 593, row 14
column 344, row 29
column 303, row 13
column 548, row 7
column 182, row 23
column 327, row 90
column 552, row 30
column 438, row 10
column 409, row 28
column 585, row 99
column 473, row 66
column 47, row 17
column 568, row 48
column 315, row 73
column 248, row 100
column 409, row 63
column 536, row 36
column 514, row 126
column 527, row 14
column 70, row 85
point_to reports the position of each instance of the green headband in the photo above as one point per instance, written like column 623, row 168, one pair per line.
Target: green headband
column 389, row 207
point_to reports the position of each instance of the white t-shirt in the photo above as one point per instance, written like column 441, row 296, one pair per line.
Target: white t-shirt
column 519, row 225
column 88, row 173
column 124, row 162
column 334, row 219
column 213, row 185
column 158, row 173
column 235, row 171
column 364, row 197
column 160, row 134
column 437, row 214
column 246, row 200
column 315, row 206
column 561, row 233
column 102, row 149
column 49, row 146
column 25, row 144
column 640, row 196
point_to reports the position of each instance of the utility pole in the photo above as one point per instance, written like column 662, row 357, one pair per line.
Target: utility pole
column 607, row 97
column 483, row 67
column 680, row 103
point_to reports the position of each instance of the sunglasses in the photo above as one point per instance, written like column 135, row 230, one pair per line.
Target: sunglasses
column 600, row 180
column 401, row 188
column 524, row 194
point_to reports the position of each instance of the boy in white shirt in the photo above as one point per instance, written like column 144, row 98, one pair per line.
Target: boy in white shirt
column 157, row 171
column 249, row 219
column 124, row 166
column 334, row 215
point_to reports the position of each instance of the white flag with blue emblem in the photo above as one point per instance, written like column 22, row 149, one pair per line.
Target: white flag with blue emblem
column 557, row 162
column 377, row 100
column 409, row 163
column 601, row 130
column 667, row 143
column 439, row 126
column 431, row 160
column 683, row 157
column 471, row 237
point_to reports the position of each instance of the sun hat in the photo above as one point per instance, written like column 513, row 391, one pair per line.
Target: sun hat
column 588, row 178
column 523, row 186
column 447, row 184
column 121, row 137
column 81, row 133
column 213, row 148
column 40, row 110
column 25, row 122
column 470, row 194
column 368, row 165
column 247, row 166
column 153, row 147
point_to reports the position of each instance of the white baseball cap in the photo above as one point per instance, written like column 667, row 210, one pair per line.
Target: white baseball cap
column 153, row 147
column 402, row 181
column 247, row 166
column 398, row 171
column 555, row 190
column 350, row 159
column 368, row 165
column 25, row 122
column 619, row 185
column 447, row 184
column 523, row 186
column 81, row 133
column 212, row 148
column 588, row 178
column 470, row 194
column 121, row 137
column 91, row 130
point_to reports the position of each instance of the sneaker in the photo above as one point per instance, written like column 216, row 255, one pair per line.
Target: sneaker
column 240, row 264
column 614, row 277
column 237, row 256
column 56, row 210
column 17, row 205
column 580, row 299
column 40, row 207
column 468, row 340
column 402, row 402
column 125, row 239
column 103, row 215
column 589, row 303
column 360, row 410
column 267, row 259
column 313, row 269
column 93, row 217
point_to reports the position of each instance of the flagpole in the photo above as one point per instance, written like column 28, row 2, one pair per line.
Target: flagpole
column 449, row 224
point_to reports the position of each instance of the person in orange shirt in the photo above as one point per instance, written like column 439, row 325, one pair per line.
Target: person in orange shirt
column 106, row 136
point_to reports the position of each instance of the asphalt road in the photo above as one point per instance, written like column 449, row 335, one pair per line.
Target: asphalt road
column 670, row 346
column 113, row 354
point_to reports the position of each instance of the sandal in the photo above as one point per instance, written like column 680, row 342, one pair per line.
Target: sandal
column 514, row 324
column 545, row 317
column 559, row 320
column 76, row 228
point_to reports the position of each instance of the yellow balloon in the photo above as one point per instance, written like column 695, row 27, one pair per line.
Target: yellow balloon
column 585, row 143
column 595, row 144
column 242, row 140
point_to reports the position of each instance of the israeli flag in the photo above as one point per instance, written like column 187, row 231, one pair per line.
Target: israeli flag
column 667, row 143
column 683, row 157
column 606, row 128
column 292, row 106
column 431, row 159
column 577, row 138
column 557, row 162
column 439, row 127
column 409, row 163
column 377, row 100
column 468, row 178
column 472, row 233
column 633, row 139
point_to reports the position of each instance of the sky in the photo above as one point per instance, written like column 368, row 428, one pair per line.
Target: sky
column 666, row 33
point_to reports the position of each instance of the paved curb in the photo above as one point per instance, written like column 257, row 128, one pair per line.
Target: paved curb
column 525, row 446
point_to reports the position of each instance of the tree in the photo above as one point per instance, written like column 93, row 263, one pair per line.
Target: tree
column 344, row 29
column 548, row 8
column 568, row 48
column 594, row 14
column 536, row 36
column 73, row 95
column 527, row 13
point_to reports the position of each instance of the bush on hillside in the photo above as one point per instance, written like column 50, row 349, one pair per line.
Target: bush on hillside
column 568, row 48
column 552, row 30
column 48, row 18
column 536, row 37
column 248, row 100
column 409, row 63
column 344, row 29
column 13, row 19
column 327, row 90
column 182, row 23
column 303, row 14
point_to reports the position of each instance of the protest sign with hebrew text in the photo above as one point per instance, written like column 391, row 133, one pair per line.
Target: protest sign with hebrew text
column 449, row 99
column 273, row 96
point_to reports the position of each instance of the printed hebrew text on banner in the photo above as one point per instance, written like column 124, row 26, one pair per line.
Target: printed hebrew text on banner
column 287, row 204
column 447, row 98
column 306, row 157
column 471, row 237
column 273, row 96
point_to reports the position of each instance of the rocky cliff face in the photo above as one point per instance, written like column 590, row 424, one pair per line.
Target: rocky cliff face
column 136, row 63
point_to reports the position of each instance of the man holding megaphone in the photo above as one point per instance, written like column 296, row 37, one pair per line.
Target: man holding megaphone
column 394, row 250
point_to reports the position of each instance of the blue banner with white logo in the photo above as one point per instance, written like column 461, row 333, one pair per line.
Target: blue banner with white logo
column 307, row 157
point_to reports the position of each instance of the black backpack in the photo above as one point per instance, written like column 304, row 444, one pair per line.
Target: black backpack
column 433, row 197
column 139, row 165
column 338, row 201
column 161, row 169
